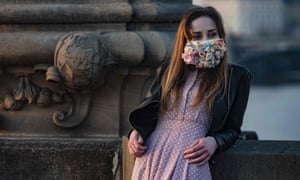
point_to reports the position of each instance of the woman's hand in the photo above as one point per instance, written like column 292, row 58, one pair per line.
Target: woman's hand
column 135, row 144
column 201, row 150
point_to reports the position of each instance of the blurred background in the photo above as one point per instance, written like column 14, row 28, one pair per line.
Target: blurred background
column 264, row 36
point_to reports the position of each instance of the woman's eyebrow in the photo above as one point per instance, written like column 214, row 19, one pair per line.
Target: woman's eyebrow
column 197, row 33
column 200, row 32
column 211, row 30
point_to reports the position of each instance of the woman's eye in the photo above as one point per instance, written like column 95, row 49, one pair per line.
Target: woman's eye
column 197, row 37
column 211, row 35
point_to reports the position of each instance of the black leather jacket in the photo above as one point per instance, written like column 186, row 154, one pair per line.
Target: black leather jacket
column 227, row 112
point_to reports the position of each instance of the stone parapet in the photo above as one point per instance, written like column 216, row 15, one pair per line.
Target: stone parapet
column 100, row 158
column 259, row 160
column 59, row 158
column 246, row 160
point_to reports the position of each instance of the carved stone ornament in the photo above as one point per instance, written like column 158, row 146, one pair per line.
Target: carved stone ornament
column 81, row 62
column 78, row 61
column 28, row 92
column 77, row 65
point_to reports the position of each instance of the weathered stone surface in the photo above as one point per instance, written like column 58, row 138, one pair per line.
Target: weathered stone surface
column 99, row 158
column 141, row 48
column 124, row 87
column 53, row 13
column 27, row 48
column 67, row 12
column 134, row 48
column 80, row 62
column 259, row 160
column 159, row 11
column 40, row 158
column 63, row 28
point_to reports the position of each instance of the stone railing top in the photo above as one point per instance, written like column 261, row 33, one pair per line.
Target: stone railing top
column 91, row 11
column 127, row 48
column 265, row 147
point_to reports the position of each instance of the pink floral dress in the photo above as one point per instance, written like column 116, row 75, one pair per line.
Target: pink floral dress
column 175, row 131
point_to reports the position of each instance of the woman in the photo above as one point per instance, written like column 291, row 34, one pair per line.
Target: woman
column 195, row 106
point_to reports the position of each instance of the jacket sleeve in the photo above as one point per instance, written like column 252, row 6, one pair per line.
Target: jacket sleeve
column 231, row 129
column 144, row 117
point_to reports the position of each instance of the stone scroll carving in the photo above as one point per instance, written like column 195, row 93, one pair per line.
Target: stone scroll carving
column 81, row 62
column 78, row 63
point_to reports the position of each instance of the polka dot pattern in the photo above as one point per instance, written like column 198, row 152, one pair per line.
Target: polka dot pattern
column 176, row 130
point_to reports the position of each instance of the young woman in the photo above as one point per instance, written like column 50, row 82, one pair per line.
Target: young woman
column 195, row 106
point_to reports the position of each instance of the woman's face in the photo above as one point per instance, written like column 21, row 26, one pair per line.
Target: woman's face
column 204, row 28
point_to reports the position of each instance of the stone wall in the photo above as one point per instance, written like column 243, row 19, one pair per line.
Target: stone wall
column 76, row 68
column 70, row 71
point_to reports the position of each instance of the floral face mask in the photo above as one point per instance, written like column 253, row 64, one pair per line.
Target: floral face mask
column 204, row 54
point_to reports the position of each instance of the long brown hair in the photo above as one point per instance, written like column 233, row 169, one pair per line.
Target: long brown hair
column 213, row 80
